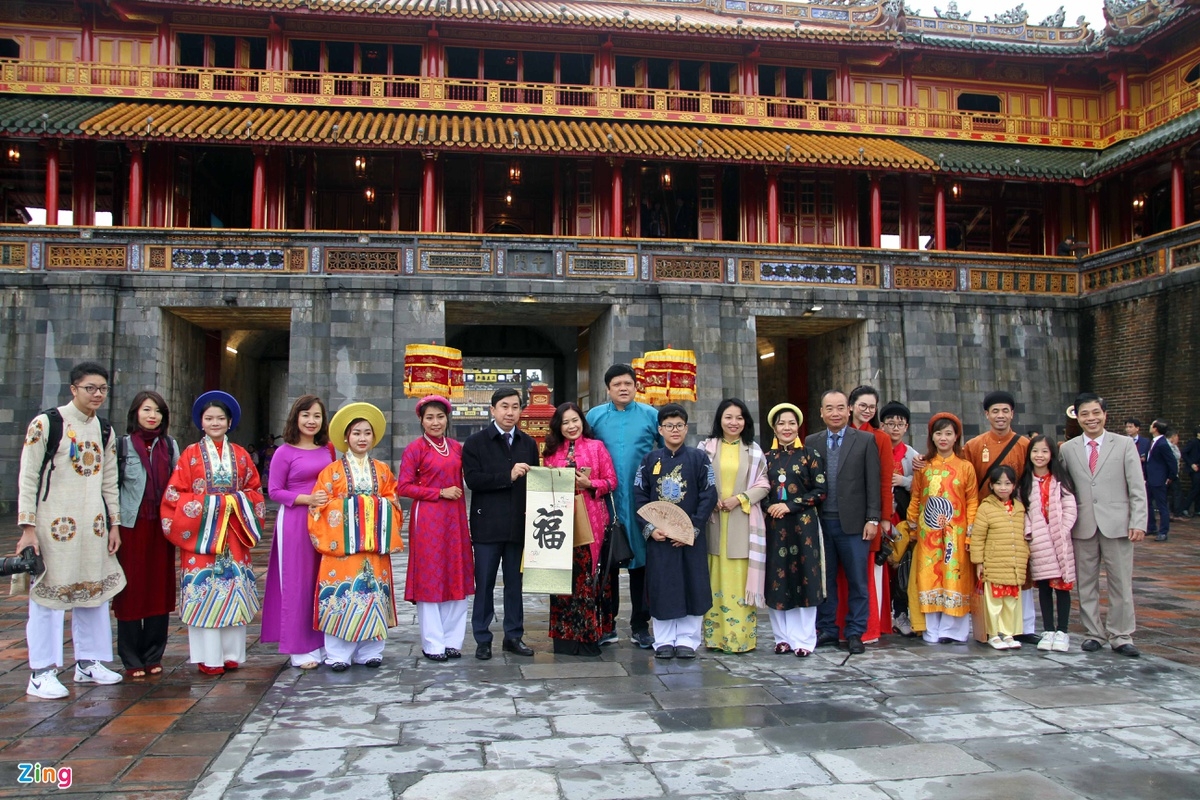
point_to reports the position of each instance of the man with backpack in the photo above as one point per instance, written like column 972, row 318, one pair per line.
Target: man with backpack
column 68, row 512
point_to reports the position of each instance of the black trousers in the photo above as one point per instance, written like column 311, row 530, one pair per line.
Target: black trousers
column 141, row 642
column 488, row 559
column 639, row 615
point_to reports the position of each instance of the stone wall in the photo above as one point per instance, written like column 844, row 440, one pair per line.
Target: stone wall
column 347, row 338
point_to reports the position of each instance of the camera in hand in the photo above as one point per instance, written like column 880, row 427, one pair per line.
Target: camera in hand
column 27, row 561
column 885, row 546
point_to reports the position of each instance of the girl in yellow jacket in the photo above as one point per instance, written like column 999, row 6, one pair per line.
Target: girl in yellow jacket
column 1001, row 556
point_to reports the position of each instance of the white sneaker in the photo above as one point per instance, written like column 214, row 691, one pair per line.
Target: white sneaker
column 1062, row 642
column 95, row 672
column 1046, row 643
column 902, row 624
column 45, row 685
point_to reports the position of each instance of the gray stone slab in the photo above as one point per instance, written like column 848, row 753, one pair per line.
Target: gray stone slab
column 931, row 684
column 631, row 683
column 1162, row 779
column 618, row 723
column 609, row 782
column 697, row 746
column 318, row 789
column 474, row 730
column 820, row 712
column 451, row 709
column 325, row 716
column 596, row 703
column 838, row 791
column 582, row 669
column 283, row 765
column 749, row 774
column 953, row 727
column 841, row 691
column 834, row 736
column 1044, row 752
column 704, row 680
column 1074, row 696
column 1189, row 708
column 951, row 703
column 898, row 763
column 704, row 719
column 980, row 787
column 569, row 751
column 1094, row 718
column 279, row 738
column 714, row 698
column 1191, row 732
column 507, row 784
column 1157, row 741
column 417, row 758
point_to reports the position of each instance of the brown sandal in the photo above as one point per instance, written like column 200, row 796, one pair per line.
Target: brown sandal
column 782, row 649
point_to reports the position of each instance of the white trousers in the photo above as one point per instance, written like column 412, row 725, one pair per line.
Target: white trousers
column 300, row 659
column 944, row 626
column 340, row 651
column 442, row 625
column 678, row 632
column 212, row 647
column 91, row 635
column 1027, row 611
column 797, row 627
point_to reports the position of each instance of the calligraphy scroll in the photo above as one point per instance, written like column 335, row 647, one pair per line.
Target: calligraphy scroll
column 549, row 527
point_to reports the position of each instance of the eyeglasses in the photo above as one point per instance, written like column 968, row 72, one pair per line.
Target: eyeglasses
column 94, row 390
column 895, row 423
column 678, row 426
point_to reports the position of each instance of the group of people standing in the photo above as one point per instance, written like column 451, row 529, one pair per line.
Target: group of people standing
column 831, row 534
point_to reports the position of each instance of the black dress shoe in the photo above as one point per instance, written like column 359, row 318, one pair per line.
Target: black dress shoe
column 1127, row 650
column 453, row 653
column 827, row 639
column 1028, row 638
column 1091, row 645
column 517, row 647
column 484, row 651
column 854, row 644
column 1162, row 537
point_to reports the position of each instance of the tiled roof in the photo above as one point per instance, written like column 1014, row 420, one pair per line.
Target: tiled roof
column 1009, row 161
column 20, row 115
column 507, row 134
column 1162, row 136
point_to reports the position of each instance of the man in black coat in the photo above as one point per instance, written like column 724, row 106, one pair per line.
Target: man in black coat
column 850, row 517
column 495, row 462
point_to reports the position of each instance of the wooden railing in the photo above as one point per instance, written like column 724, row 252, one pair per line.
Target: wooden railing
column 311, row 89
column 779, row 268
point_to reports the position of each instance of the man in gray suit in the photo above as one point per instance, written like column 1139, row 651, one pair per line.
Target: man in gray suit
column 849, row 517
column 1111, row 492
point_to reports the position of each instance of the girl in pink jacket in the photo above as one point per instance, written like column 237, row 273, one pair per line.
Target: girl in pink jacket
column 1050, row 513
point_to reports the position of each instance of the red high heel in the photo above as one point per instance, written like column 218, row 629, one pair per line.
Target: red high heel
column 207, row 670
column 231, row 665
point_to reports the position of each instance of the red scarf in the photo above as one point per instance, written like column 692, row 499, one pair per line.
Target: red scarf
column 154, row 451
column 1044, row 491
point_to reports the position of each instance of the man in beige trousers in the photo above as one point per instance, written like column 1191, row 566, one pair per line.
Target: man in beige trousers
column 1111, row 492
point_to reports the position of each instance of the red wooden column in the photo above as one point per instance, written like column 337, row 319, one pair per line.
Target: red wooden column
column 604, row 64
column 397, row 176
column 133, row 217
column 258, row 190
column 618, row 199
column 274, row 189
column 556, row 201
column 428, row 192
column 52, row 183
column 1178, row 211
column 83, row 183
column 435, row 55
column 876, row 213
column 939, row 215
column 1051, row 227
column 772, row 206
column 1094, row 237
column 310, row 190
column 480, row 195
column 909, row 213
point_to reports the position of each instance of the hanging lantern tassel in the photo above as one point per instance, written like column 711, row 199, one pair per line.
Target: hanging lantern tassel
column 670, row 376
column 433, row 369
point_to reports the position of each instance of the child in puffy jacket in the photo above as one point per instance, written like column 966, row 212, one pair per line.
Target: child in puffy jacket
column 1001, row 557
column 1050, row 512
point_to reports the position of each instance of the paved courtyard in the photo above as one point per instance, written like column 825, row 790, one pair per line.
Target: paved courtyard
column 905, row 720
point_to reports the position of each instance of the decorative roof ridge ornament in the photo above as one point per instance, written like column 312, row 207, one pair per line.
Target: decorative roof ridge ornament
column 1128, row 19
column 951, row 12
column 1014, row 16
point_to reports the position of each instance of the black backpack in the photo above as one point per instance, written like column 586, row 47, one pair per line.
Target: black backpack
column 53, row 440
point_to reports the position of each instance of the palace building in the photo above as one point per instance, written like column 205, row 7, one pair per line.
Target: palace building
column 276, row 196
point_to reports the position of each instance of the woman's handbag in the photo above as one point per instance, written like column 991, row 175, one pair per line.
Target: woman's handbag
column 616, row 540
column 583, row 525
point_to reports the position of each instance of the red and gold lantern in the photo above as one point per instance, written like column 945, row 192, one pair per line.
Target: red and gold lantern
column 639, row 380
column 670, row 376
column 432, row 369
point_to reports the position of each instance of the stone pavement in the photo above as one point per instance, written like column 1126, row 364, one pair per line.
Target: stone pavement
column 906, row 720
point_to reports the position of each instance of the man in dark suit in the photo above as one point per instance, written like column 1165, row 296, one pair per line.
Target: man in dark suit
column 1191, row 462
column 1133, row 429
column 1161, row 471
column 849, row 517
column 495, row 462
